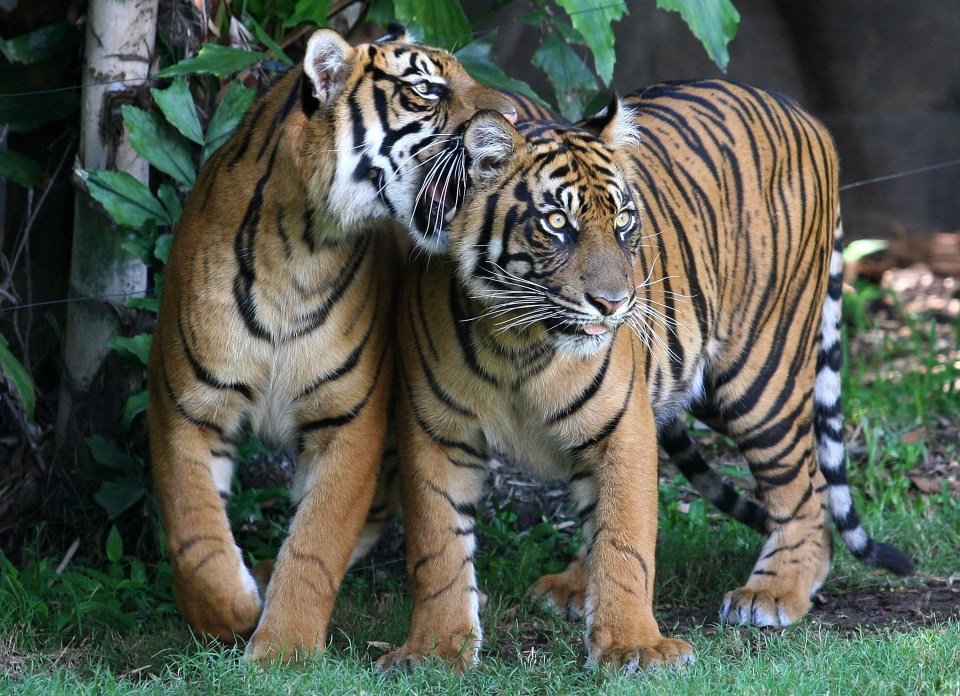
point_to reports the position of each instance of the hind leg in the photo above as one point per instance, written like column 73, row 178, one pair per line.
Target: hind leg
column 564, row 591
column 776, row 437
column 193, row 466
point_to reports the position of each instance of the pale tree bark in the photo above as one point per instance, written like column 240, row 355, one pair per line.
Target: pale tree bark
column 119, row 48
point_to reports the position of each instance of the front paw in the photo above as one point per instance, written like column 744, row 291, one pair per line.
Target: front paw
column 283, row 641
column 459, row 652
column 226, row 611
column 670, row 652
column 763, row 607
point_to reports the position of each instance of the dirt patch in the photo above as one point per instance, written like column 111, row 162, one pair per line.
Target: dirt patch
column 855, row 611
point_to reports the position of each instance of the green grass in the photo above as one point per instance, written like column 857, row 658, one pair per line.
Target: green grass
column 107, row 625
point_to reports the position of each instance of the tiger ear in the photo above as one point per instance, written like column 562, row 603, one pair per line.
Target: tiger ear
column 613, row 125
column 490, row 141
column 327, row 63
column 395, row 32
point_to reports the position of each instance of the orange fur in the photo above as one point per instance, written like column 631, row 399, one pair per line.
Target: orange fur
column 678, row 252
column 277, row 306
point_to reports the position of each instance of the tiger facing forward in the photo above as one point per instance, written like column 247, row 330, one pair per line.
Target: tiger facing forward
column 277, row 308
column 679, row 252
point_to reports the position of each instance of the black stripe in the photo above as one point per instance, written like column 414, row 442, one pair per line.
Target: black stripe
column 348, row 416
column 202, row 373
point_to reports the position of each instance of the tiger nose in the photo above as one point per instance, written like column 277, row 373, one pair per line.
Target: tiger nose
column 607, row 305
column 509, row 113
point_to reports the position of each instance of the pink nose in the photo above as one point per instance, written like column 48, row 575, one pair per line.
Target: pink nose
column 510, row 115
column 606, row 305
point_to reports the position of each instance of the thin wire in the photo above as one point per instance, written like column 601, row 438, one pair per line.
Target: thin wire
column 897, row 175
column 146, row 292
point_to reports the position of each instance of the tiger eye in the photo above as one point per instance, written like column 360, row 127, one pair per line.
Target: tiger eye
column 557, row 220
column 623, row 219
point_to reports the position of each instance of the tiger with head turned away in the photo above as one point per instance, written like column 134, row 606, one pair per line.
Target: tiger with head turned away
column 277, row 313
column 681, row 252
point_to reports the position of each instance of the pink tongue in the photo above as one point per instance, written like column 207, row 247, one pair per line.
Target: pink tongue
column 595, row 330
column 435, row 195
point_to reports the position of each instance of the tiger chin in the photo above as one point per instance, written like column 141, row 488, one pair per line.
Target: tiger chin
column 277, row 312
column 680, row 252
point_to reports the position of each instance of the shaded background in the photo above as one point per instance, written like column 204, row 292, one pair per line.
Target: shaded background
column 884, row 75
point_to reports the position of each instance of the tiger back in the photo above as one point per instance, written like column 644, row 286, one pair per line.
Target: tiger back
column 681, row 252
column 277, row 306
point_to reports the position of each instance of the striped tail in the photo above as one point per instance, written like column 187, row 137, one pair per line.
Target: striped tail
column 828, row 429
column 687, row 458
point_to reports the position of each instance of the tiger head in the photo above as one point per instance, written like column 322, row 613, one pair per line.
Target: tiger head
column 548, row 230
column 387, row 109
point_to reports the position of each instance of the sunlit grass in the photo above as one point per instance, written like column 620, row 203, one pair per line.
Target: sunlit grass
column 109, row 627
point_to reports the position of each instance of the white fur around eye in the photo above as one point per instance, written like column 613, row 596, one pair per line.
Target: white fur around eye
column 425, row 89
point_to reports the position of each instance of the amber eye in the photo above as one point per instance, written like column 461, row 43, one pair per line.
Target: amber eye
column 427, row 89
column 557, row 220
column 623, row 219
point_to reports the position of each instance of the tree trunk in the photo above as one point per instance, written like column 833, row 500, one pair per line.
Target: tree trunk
column 119, row 48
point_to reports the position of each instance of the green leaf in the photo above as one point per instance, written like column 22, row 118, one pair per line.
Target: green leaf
column 106, row 454
column 572, row 80
column 133, row 346
column 149, row 304
column 114, row 545
column 380, row 12
column 442, row 22
column 40, row 44
column 267, row 41
column 593, row 20
column 309, row 12
column 17, row 375
column 128, row 202
column 161, row 250
column 19, row 169
column 176, row 103
column 234, row 104
column 859, row 248
column 214, row 59
column 714, row 22
column 477, row 59
column 139, row 248
column 136, row 403
column 116, row 496
column 171, row 201
column 160, row 144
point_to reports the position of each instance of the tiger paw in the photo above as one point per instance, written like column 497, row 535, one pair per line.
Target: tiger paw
column 226, row 612
column 277, row 639
column 763, row 608
column 457, row 652
column 665, row 652
column 564, row 592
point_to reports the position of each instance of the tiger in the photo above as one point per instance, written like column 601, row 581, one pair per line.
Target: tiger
column 276, row 314
column 678, row 253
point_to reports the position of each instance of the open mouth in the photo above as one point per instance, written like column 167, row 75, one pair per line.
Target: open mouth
column 578, row 329
column 435, row 210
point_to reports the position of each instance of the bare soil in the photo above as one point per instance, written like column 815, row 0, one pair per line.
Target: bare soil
column 855, row 611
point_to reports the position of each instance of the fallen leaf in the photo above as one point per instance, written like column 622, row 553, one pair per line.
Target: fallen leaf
column 926, row 484
column 380, row 645
column 912, row 437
